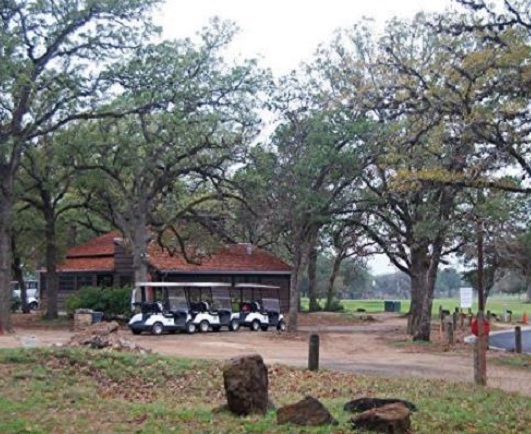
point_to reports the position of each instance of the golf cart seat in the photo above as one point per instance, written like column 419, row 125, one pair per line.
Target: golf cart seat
column 204, row 306
column 255, row 306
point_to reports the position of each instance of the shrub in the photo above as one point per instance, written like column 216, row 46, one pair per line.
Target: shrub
column 16, row 303
column 335, row 306
column 112, row 302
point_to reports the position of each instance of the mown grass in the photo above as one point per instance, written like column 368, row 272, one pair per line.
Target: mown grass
column 521, row 361
column 73, row 391
column 498, row 305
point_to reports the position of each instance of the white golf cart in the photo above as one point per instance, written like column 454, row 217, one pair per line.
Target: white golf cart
column 259, row 306
column 161, row 307
column 32, row 293
column 211, row 306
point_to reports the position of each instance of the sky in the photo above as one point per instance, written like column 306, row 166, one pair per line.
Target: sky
column 283, row 33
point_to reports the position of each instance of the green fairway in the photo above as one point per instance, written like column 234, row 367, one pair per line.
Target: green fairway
column 495, row 304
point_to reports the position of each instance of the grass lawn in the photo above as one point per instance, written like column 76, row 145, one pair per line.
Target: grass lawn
column 495, row 304
column 73, row 391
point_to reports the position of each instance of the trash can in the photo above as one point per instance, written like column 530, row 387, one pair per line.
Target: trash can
column 97, row 317
column 392, row 306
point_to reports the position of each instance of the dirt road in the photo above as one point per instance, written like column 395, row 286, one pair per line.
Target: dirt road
column 362, row 349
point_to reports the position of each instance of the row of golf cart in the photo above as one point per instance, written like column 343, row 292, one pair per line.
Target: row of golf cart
column 204, row 306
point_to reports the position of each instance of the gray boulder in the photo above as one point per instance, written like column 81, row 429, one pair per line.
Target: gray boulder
column 246, row 385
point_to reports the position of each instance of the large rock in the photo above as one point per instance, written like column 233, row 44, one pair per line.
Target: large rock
column 308, row 412
column 246, row 385
column 364, row 404
column 390, row 419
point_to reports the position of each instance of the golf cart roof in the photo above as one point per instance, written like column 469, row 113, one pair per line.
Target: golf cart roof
column 256, row 285
column 182, row 284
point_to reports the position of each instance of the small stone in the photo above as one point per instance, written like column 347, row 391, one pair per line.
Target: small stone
column 308, row 412
column 391, row 418
column 364, row 404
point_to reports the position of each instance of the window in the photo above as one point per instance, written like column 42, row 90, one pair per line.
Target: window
column 66, row 283
column 85, row 280
column 104, row 280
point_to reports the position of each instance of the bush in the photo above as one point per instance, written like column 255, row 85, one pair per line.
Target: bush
column 16, row 303
column 335, row 306
column 113, row 302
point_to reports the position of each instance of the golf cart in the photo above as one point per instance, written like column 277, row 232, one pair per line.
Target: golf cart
column 32, row 293
column 163, row 307
column 211, row 306
column 259, row 306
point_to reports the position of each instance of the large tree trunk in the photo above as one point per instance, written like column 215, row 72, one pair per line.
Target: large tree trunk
column 6, row 207
column 422, row 290
column 299, row 262
column 52, row 281
column 18, row 275
column 312, row 280
column 330, row 290
column 139, row 242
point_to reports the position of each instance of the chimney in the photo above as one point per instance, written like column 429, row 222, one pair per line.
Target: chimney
column 249, row 249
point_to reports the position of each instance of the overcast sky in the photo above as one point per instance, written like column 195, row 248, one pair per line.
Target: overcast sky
column 282, row 33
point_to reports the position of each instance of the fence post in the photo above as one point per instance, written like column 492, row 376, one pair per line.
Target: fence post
column 313, row 353
column 449, row 332
column 518, row 339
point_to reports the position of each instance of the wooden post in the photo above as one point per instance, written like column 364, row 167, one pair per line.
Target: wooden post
column 454, row 320
column 449, row 332
column 462, row 320
column 313, row 353
column 480, row 349
column 518, row 340
column 440, row 311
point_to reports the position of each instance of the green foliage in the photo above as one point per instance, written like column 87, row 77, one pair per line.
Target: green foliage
column 111, row 301
column 16, row 303
column 335, row 306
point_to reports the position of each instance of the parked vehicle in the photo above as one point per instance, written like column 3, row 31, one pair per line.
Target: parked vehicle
column 259, row 306
column 32, row 293
column 211, row 306
column 161, row 307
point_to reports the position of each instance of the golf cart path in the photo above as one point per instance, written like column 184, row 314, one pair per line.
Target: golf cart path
column 360, row 349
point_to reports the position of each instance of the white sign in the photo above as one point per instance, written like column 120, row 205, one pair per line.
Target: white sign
column 465, row 297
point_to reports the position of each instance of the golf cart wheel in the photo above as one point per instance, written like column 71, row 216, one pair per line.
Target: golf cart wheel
column 281, row 326
column 234, row 325
column 190, row 327
column 136, row 332
column 204, row 326
column 255, row 325
column 33, row 305
column 264, row 327
column 157, row 328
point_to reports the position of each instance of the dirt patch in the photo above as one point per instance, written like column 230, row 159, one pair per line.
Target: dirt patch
column 380, row 347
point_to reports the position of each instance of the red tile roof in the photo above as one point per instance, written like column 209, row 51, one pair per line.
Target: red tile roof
column 99, row 246
column 98, row 255
column 98, row 263
column 232, row 258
